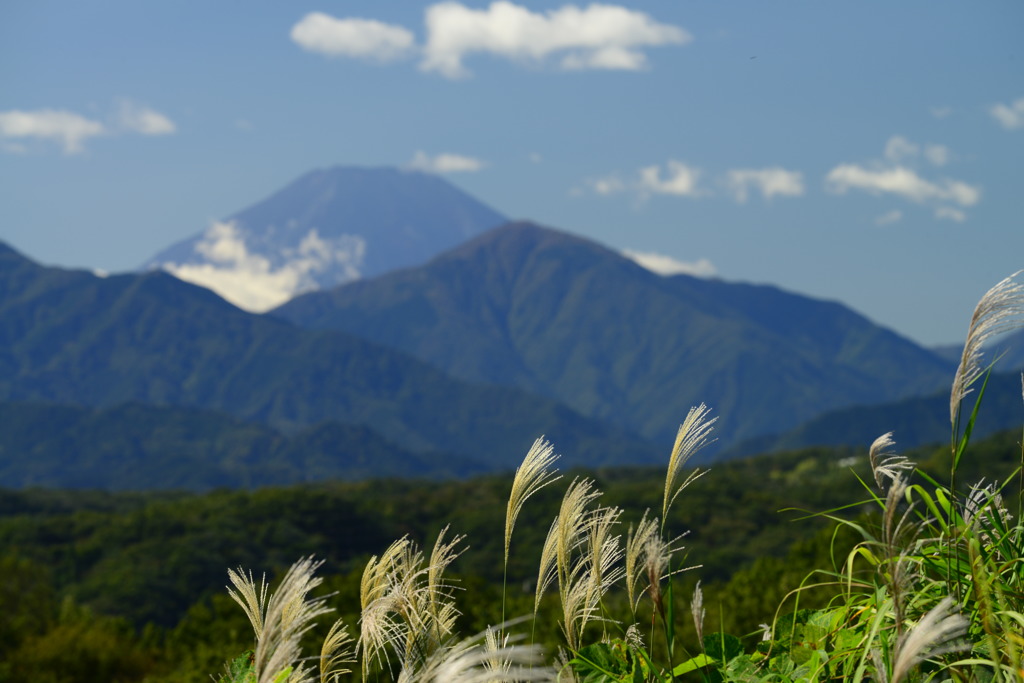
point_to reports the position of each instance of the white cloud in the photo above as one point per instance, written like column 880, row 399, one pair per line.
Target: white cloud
column 941, row 111
column 769, row 181
column 536, row 158
column 72, row 130
column 141, row 119
column 901, row 181
column 360, row 38
column 680, row 180
column 1011, row 116
column 596, row 37
column 950, row 214
column 894, row 216
column 663, row 264
column 64, row 127
column 444, row 163
column 249, row 281
column 607, row 185
column 899, row 148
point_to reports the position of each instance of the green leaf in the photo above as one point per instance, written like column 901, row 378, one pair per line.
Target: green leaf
column 722, row 647
column 282, row 677
column 240, row 669
column 698, row 662
column 605, row 662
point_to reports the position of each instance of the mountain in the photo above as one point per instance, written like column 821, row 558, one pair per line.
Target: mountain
column 1006, row 351
column 328, row 227
column 74, row 338
column 916, row 421
column 555, row 314
column 134, row 446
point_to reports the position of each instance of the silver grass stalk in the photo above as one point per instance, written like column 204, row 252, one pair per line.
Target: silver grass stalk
column 886, row 463
column 381, row 631
column 657, row 555
column 439, row 593
column 383, row 596
column 935, row 634
column 531, row 476
column 635, row 544
column 290, row 613
column 593, row 573
column 572, row 521
column 605, row 549
column 697, row 610
column 999, row 310
column 496, row 662
column 252, row 600
column 691, row 437
column 546, row 571
column 336, row 652
column 374, row 582
column 577, row 607
column 469, row 661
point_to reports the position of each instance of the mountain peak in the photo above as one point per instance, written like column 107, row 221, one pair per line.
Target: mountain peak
column 330, row 226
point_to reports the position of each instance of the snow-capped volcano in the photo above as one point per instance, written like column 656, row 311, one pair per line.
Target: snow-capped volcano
column 327, row 228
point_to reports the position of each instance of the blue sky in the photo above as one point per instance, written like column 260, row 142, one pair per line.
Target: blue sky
column 869, row 152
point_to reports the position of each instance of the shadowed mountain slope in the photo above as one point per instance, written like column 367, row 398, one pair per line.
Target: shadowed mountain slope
column 71, row 337
column 527, row 306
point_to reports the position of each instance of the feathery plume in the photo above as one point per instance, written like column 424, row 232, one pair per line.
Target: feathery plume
column 289, row 614
column 884, row 462
column 565, row 535
column 933, row 635
column 691, row 437
column 657, row 554
column 531, row 476
column 252, row 600
column 469, row 661
column 636, row 542
column 1000, row 310
column 439, row 594
column 335, row 653
column 593, row 573
column 605, row 549
column 572, row 520
column 697, row 610
column 546, row 572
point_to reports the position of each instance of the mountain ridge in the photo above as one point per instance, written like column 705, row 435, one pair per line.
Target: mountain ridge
column 72, row 337
column 550, row 312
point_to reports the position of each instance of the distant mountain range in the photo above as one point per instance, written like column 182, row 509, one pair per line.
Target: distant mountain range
column 328, row 227
column 449, row 346
column 70, row 337
column 915, row 421
column 530, row 307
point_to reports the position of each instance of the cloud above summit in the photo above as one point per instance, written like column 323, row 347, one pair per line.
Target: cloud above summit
column 595, row 37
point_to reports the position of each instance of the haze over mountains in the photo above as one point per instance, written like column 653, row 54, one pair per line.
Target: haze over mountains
column 328, row 227
column 456, row 345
